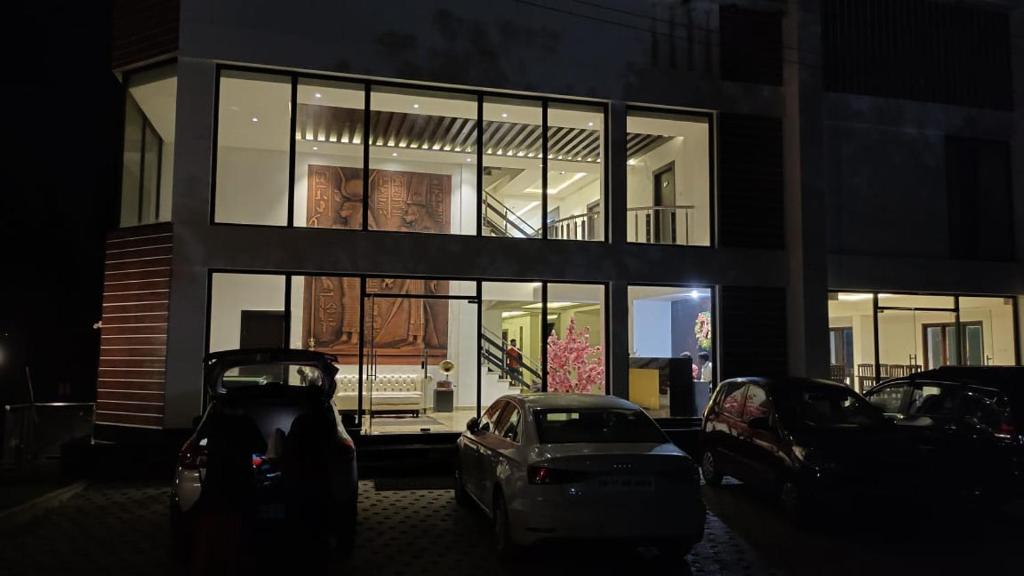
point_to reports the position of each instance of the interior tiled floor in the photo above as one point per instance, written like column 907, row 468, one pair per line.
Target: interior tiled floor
column 429, row 421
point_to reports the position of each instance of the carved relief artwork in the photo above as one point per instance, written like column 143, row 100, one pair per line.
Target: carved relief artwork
column 398, row 326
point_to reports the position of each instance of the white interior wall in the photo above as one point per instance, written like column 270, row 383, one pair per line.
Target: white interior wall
column 252, row 186
column 652, row 321
column 232, row 293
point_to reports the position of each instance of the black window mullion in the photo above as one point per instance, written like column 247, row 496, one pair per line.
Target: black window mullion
column 362, row 346
column 291, row 151
column 543, row 333
column 544, row 187
column 142, row 167
column 479, row 344
column 366, row 168
column 479, row 173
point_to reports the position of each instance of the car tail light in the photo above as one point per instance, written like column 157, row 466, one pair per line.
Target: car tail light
column 1006, row 429
column 192, row 455
column 548, row 475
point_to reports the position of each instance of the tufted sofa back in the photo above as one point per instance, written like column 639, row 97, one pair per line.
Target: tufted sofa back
column 409, row 383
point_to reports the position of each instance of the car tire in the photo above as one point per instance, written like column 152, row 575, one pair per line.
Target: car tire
column 709, row 469
column 461, row 495
column 503, row 541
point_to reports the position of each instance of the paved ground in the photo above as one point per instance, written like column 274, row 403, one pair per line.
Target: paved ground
column 122, row 529
column 414, row 528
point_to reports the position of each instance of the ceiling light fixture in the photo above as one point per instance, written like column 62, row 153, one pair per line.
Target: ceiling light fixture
column 590, row 123
column 694, row 294
column 316, row 147
column 317, row 94
column 415, row 105
column 394, row 153
column 504, row 114
column 255, row 119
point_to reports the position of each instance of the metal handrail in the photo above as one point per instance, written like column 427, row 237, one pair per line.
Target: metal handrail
column 493, row 338
column 574, row 227
column 508, row 217
column 499, row 361
column 648, row 222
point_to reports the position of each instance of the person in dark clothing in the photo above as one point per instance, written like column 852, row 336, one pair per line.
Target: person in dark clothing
column 514, row 363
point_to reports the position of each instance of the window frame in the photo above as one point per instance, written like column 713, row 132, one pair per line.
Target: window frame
column 368, row 84
column 712, row 119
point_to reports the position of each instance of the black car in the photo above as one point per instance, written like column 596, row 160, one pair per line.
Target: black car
column 270, row 449
column 967, row 424
column 809, row 441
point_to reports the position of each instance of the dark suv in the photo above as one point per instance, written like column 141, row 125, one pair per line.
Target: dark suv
column 967, row 424
column 805, row 440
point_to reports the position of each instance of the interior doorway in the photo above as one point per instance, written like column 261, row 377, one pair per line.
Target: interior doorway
column 664, row 204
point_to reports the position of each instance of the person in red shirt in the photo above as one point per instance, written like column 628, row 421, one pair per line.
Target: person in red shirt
column 514, row 362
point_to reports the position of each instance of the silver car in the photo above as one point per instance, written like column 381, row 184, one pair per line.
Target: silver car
column 578, row 467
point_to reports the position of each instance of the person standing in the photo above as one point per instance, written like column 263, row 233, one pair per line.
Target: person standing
column 707, row 373
column 514, row 362
column 695, row 370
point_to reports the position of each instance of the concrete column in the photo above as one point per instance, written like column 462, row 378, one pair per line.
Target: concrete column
column 805, row 208
column 193, row 154
column 618, row 340
column 1017, row 158
column 615, row 158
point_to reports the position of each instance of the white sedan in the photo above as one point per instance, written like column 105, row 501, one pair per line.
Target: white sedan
column 578, row 467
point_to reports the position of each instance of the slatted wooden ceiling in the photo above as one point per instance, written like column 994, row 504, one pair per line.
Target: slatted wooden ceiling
column 133, row 344
column 425, row 132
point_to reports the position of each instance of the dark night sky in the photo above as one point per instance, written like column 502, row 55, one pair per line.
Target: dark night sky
column 58, row 197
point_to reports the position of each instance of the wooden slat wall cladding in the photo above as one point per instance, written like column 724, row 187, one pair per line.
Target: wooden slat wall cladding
column 142, row 30
column 133, row 341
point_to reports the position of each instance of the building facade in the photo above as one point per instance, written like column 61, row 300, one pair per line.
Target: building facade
column 818, row 187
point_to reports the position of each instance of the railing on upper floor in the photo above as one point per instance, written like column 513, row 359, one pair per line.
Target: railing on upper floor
column 660, row 224
column 502, row 221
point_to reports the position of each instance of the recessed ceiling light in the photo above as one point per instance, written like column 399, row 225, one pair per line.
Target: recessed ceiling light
column 694, row 294
column 415, row 105
column 255, row 119
column 394, row 153
column 317, row 94
column 590, row 123
column 469, row 159
column 316, row 147
column 504, row 114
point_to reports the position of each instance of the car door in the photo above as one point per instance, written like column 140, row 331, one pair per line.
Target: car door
column 473, row 456
column 929, row 416
column 758, row 447
column 890, row 398
column 728, row 426
column 493, row 453
column 507, row 458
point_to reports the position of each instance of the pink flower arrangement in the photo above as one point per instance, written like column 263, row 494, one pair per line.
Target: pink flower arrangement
column 573, row 364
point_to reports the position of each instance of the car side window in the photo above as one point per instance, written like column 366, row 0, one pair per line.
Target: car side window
column 756, row 404
column 932, row 400
column 732, row 400
column 490, row 417
column 990, row 411
column 890, row 398
column 510, row 431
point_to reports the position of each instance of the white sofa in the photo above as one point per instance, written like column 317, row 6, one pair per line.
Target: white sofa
column 383, row 393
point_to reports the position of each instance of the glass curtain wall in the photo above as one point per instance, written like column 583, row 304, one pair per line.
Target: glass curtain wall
column 575, row 172
column 574, row 336
column 667, row 325
column 148, row 161
column 668, row 178
column 511, row 205
column 915, row 332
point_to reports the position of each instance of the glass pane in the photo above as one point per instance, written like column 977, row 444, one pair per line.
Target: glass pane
column 915, row 301
column 510, row 339
column 667, row 323
column 247, row 311
column 420, row 287
column 329, row 154
column 511, row 204
column 420, row 359
column 991, row 340
column 668, row 179
column 148, row 146
column 574, row 339
column 852, row 329
column 575, row 172
column 913, row 340
column 253, row 124
column 422, row 160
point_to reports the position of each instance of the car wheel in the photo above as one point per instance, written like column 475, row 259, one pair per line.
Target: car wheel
column 461, row 495
column 502, row 536
column 709, row 469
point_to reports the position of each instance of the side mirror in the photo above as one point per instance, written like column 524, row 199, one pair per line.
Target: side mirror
column 760, row 423
column 473, row 425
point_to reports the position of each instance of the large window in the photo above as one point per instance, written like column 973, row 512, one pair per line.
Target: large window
column 915, row 332
column 667, row 326
column 148, row 161
column 441, row 162
column 253, row 123
column 574, row 336
column 575, row 183
column 668, row 179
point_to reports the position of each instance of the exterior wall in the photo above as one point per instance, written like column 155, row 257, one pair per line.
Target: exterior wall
column 843, row 193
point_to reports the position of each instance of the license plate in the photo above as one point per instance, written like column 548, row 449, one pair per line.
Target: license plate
column 626, row 484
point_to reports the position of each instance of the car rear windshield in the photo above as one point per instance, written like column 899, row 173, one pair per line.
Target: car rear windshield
column 272, row 374
column 570, row 426
column 827, row 406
